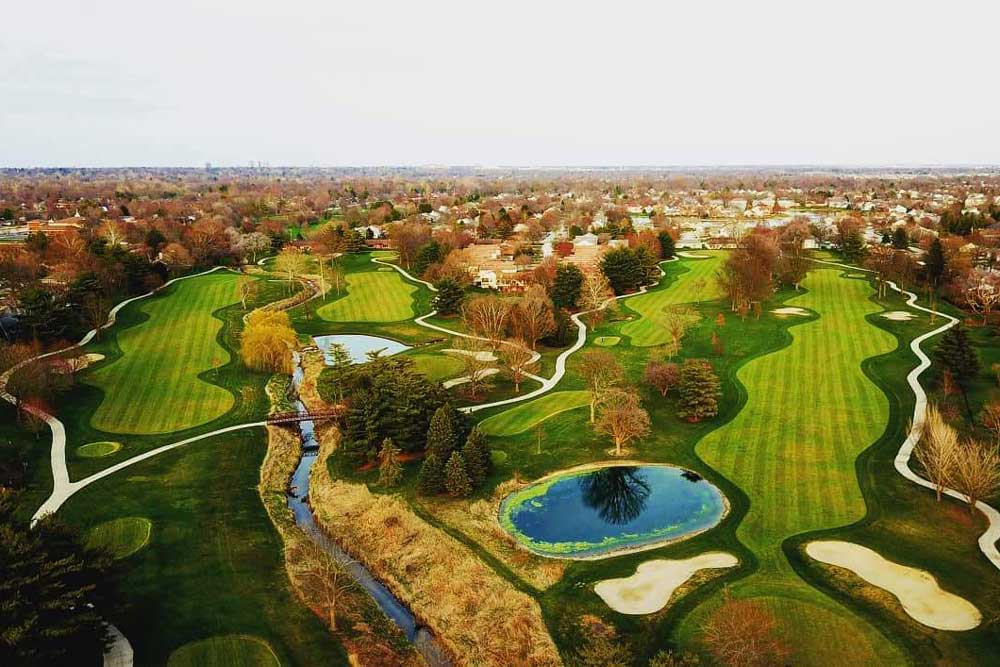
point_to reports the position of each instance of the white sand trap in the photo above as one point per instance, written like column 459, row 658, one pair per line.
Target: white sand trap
column 448, row 384
column 917, row 590
column 791, row 310
column 692, row 255
column 899, row 315
column 482, row 355
column 654, row 582
column 80, row 362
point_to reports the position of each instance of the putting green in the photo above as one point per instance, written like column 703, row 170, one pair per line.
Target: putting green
column 792, row 448
column 527, row 415
column 227, row 651
column 696, row 284
column 95, row 450
column 437, row 366
column 372, row 296
column 122, row 537
column 154, row 386
column 607, row 341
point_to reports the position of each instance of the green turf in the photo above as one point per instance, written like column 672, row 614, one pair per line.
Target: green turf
column 607, row 341
column 811, row 411
column 228, row 651
column 122, row 537
column 437, row 366
column 154, row 386
column 693, row 281
column 525, row 416
column 372, row 296
column 94, row 450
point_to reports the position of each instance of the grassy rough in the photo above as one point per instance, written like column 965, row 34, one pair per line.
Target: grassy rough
column 154, row 387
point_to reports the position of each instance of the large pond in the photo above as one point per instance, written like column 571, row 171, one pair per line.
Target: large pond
column 358, row 346
column 597, row 512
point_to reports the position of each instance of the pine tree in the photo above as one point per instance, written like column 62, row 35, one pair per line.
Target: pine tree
column 456, row 480
column 430, row 480
column 899, row 239
column 476, row 453
column 698, row 389
column 450, row 295
column 442, row 436
column 667, row 248
column 566, row 286
column 935, row 263
column 956, row 354
column 390, row 471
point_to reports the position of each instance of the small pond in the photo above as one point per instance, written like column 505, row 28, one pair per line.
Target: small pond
column 358, row 345
column 598, row 512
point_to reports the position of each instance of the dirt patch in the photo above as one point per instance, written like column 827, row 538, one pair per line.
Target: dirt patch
column 482, row 355
column 654, row 582
column 917, row 590
column 899, row 315
column 476, row 614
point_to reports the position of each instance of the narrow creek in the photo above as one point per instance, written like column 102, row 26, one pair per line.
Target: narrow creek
column 298, row 501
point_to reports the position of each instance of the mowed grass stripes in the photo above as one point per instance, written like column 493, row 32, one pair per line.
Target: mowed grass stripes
column 528, row 415
column 372, row 296
column 154, row 386
column 810, row 412
column 696, row 284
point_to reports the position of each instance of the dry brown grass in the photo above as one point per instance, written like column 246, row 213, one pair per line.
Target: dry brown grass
column 370, row 638
column 478, row 520
column 312, row 366
column 476, row 614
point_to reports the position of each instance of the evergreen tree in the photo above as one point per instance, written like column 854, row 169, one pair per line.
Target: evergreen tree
column 853, row 246
column 667, row 248
column 390, row 471
column 624, row 269
column 456, row 480
column 442, row 436
column 429, row 253
column 449, row 297
column 476, row 454
column 935, row 263
column 430, row 480
column 956, row 354
column 899, row 239
column 565, row 290
column 698, row 389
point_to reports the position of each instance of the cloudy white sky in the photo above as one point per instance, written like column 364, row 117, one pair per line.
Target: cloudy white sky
column 323, row 82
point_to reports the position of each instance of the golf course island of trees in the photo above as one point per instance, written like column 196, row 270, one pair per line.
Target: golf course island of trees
column 310, row 417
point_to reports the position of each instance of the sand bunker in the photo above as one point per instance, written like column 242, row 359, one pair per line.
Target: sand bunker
column 899, row 315
column 448, row 384
column 483, row 355
column 791, row 311
column 78, row 363
column 692, row 255
column 654, row 582
column 917, row 590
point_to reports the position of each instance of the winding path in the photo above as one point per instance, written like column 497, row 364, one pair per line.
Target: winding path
column 988, row 540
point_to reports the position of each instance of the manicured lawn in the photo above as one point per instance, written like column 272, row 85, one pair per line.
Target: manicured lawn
column 525, row 416
column 372, row 296
column 792, row 448
column 687, row 281
column 122, row 537
column 606, row 341
column 154, row 386
column 95, row 450
column 230, row 651
column 437, row 366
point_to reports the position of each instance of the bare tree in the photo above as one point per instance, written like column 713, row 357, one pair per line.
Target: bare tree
column 596, row 295
column 990, row 418
column 622, row 417
column 518, row 361
column 981, row 292
column 602, row 372
column 742, row 633
column 677, row 320
column 937, row 449
column 323, row 576
column 662, row 375
column 534, row 315
column 95, row 312
column 977, row 471
column 247, row 287
column 477, row 362
column 487, row 316
column 292, row 263
column 407, row 238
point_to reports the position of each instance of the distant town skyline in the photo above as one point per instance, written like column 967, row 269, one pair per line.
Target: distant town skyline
column 307, row 83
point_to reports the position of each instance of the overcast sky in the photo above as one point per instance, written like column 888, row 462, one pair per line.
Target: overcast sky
column 322, row 82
